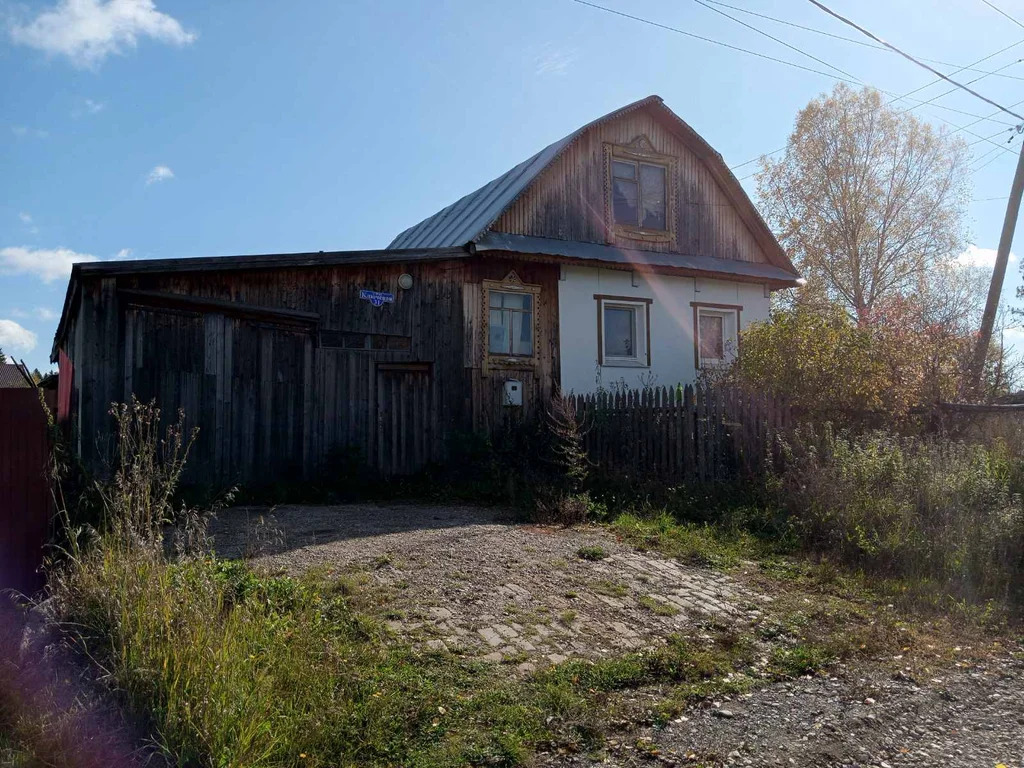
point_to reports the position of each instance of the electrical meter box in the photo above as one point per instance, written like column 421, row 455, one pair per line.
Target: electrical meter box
column 513, row 392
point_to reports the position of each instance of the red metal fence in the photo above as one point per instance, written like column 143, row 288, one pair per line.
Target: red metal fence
column 25, row 499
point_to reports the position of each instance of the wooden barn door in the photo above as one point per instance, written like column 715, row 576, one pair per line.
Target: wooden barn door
column 245, row 384
column 404, row 435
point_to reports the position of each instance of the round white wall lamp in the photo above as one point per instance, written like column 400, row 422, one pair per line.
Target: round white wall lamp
column 405, row 281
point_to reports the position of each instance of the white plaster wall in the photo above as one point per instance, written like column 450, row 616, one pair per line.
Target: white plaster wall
column 671, row 323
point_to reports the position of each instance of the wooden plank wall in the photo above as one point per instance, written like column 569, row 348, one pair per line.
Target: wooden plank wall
column 700, row 433
column 25, row 500
column 271, row 401
column 567, row 201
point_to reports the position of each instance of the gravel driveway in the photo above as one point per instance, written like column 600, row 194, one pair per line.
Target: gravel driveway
column 473, row 581
column 863, row 717
column 476, row 582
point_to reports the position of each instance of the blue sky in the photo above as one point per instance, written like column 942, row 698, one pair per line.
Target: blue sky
column 142, row 130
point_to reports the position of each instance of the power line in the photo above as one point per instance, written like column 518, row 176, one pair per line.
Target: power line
column 677, row 30
column 907, row 56
column 989, row 199
column 986, row 164
column 710, row 40
column 851, row 39
column 1004, row 13
column 953, row 90
column 978, row 160
column 780, row 42
column 987, row 138
column 854, row 77
column 848, row 74
column 1015, row 104
column 894, row 99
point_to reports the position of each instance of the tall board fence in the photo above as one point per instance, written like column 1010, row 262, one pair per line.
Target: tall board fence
column 693, row 433
column 24, row 488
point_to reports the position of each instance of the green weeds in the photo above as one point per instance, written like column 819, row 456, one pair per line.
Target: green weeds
column 592, row 553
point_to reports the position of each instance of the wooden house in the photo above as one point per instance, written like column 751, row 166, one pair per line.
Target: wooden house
column 624, row 253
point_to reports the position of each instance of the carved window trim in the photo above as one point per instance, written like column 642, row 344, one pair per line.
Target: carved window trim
column 511, row 283
column 640, row 149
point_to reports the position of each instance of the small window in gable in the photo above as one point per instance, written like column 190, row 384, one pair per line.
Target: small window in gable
column 716, row 334
column 641, row 196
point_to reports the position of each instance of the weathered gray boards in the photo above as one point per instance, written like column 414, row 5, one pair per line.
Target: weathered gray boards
column 466, row 320
column 279, row 365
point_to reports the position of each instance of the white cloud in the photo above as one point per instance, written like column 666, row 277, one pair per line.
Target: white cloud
column 24, row 130
column 26, row 219
column 159, row 173
column 46, row 264
column 554, row 61
column 42, row 313
column 88, row 107
column 980, row 257
column 15, row 337
column 124, row 253
column 87, row 31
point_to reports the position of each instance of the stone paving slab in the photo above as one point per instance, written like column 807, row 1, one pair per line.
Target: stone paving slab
column 472, row 581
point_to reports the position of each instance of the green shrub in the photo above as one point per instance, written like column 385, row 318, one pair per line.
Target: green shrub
column 919, row 508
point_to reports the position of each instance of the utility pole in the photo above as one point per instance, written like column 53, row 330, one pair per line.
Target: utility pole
column 998, row 273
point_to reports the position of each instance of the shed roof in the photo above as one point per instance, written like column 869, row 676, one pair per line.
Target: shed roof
column 88, row 269
column 14, row 376
column 471, row 217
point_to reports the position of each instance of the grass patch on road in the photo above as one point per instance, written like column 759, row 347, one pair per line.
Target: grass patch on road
column 699, row 544
column 657, row 607
column 231, row 668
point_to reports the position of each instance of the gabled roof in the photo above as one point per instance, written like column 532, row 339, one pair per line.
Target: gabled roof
column 468, row 219
column 15, row 376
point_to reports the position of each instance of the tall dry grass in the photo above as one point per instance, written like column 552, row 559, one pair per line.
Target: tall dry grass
column 928, row 509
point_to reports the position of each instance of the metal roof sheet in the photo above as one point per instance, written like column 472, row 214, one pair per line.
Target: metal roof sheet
column 572, row 249
column 467, row 218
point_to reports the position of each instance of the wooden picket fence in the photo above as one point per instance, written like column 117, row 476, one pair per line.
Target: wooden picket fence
column 692, row 433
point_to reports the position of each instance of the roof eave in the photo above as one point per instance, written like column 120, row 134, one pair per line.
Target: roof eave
column 300, row 260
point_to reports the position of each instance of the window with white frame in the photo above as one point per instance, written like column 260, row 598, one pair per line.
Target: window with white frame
column 716, row 334
column 623, row 331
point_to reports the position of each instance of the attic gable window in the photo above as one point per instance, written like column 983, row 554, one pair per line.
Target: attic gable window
column 639, row 196
column 640, row 199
